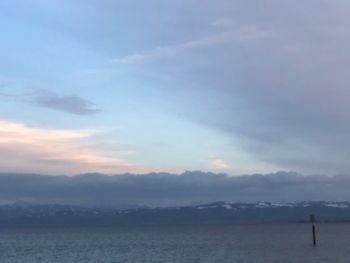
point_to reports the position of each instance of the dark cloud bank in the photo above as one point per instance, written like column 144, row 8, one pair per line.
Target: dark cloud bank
column 163, row 189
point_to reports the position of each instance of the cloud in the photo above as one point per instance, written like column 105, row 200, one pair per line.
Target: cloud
column 47, row 99
column 56, row 151
column 71, row 104
column 218, row 163
column 283, row 99
column 173, row 50
column 162, row 189
column 268, row 75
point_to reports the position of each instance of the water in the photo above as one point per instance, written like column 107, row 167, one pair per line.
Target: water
column 236, row 243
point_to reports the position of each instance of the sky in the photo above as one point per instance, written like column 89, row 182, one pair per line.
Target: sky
column 227, row 86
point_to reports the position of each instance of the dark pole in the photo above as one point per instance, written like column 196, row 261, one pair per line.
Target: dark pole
column 312, row 219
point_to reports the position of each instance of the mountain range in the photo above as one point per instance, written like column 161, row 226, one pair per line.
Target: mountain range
column 23, row 214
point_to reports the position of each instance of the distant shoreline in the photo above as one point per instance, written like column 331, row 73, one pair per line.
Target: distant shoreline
column 219, row 213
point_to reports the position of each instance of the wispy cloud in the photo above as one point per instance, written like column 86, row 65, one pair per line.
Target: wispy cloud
column 173, row 50
column 57, row 151
column 224, row 22
column 47, row 99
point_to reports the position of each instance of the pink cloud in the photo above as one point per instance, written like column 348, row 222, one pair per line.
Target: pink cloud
column 28, row 149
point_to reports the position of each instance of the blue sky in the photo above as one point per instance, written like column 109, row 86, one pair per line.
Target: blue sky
column 138, row 86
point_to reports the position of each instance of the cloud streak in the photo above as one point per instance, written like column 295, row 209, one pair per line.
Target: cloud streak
column 173, row 50
column 47, row 99
column 71, row 104
column 57, row 151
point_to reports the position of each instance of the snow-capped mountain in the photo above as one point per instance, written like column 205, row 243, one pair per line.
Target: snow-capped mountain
column 27, row 214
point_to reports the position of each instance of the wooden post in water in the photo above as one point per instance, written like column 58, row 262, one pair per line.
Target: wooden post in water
column 312, row 220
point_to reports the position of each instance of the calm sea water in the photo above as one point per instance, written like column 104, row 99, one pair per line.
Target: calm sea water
column 236, row 243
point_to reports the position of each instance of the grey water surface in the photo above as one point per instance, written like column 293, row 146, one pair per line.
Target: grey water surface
column 233, row 243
